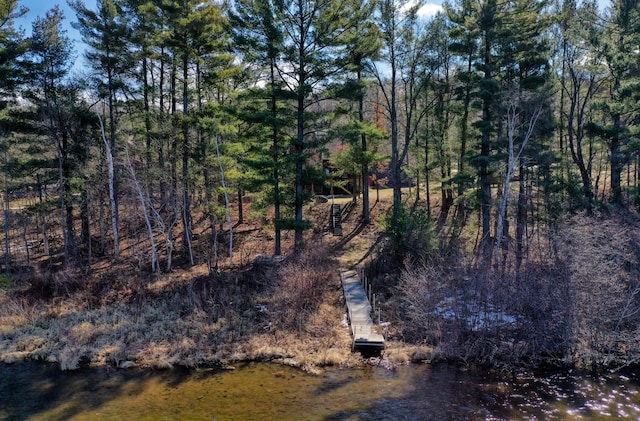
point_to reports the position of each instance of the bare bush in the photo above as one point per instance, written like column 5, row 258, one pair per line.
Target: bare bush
column 299, row 284
column 50, row 284
column 577, row 302
column 484, row 315
column 603, row 257
column 435, row 312
column 539, row 302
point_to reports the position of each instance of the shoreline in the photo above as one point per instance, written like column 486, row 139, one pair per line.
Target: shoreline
column 189, row 319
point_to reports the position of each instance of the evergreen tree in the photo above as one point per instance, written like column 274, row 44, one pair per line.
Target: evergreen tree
column 107, row 35
column 478, row 27
column 188, row 35
column 55, row 98
column 526, row 75
column 11, row 48
column 311, row 31
column 464, row 45
column 361, row 44
column 260, row 41
column 619, row 49
column 503, row 44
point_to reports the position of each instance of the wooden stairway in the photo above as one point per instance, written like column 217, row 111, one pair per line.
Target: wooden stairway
column 336, row 219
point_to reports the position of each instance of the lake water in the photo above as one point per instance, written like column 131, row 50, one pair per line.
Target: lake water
column 263, row 391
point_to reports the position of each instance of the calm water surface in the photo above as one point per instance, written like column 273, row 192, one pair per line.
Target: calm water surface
column 261, row 391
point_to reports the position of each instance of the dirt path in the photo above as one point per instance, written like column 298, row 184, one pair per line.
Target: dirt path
column 358, row 242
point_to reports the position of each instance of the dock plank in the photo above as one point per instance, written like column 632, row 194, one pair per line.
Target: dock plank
column 359, row 310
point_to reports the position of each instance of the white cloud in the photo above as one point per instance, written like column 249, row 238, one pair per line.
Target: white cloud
column 426, row 11
column 429, row 10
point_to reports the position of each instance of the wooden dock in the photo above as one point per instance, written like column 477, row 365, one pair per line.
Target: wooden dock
column 365, row 339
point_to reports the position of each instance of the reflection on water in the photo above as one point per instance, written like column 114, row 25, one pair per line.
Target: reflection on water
column 271, row 392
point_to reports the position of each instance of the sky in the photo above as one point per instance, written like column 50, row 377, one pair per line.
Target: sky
column 40, row 7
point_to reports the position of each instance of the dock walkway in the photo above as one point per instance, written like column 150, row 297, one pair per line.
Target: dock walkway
column 359, row 311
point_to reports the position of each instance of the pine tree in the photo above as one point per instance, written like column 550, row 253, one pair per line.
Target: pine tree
column 189, row 35
column 361, row 44
column 56, row 99
column 477, row 26
column 619, row 49
column 260, row 41
column 311, row 29
column 503, row 47
column 107, row 35
column 11, row 48
column 526, row 75
column 464, row 44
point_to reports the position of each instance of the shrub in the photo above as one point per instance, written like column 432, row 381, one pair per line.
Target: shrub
column 576, row 300
column 411, row 234
column 601, row 254
column 5, row 280
column 298, row 287
column 483, row 315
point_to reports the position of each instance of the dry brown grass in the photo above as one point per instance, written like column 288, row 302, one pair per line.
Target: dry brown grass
column 398, row 353
column 182, row 320
column 117, row 315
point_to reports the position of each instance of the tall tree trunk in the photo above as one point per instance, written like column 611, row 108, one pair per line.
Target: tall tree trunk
column 395, row 164
column 464, row 130
column 112, row 198
column 43, row 220
column 61, row 192
column 617, row 161
column 427, row 171
column 161, row 141
column 226, row 200
column 7, row 242
column 561, row 128
column 366, row 214
column 276, row 163
column 485, row 150
column 65, row 200
column 114, row 181
column 186, row 198
column 445, row 163
column 84, row 215
column 521, row 219
column 172, row 208
column 101, row 201
column 299, row 152
column 240, row 208
column 147, row 112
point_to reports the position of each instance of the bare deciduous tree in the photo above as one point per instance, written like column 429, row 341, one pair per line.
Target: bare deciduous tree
column 514, row 131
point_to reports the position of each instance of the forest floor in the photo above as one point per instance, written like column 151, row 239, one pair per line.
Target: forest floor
column 109, row 314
